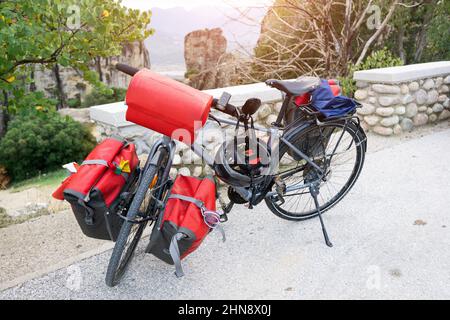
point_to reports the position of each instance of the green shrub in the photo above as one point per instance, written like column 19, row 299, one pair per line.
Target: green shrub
column 30, row 101
column 74, row 103
column 39, row 141
column 378, row 59
column 98, row 97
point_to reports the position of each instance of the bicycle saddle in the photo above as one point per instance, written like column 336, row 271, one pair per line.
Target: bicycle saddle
column 295, row 88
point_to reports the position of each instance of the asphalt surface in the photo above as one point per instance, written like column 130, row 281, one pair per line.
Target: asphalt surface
column 391, row 239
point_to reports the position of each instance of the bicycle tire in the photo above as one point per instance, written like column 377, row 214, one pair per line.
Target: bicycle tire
column 359, row 140
column 116, row 269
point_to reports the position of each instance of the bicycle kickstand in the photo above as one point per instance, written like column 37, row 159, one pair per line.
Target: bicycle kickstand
column 314, row 190
column 226, row 208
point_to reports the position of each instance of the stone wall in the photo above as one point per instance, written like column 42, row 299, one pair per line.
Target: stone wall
column 185, row 161
column 398, row 99
column 110, row 120
column 394, row 100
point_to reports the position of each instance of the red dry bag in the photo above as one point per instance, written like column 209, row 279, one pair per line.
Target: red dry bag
column 167, row 106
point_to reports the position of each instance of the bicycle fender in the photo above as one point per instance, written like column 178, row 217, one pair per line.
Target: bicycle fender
column 292, row 132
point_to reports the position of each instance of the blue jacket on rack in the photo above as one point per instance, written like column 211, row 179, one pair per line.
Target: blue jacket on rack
column 324, row 101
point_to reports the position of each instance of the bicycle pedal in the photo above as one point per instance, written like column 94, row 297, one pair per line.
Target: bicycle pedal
column 280, row 186
column 279, row 198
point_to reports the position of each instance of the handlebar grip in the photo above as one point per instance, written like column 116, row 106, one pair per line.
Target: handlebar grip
column 127, row 69
column 229, row 109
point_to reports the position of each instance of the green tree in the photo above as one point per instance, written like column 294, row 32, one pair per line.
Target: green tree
column 420, row 32
column 61, row 32
column 438, row 47
column 97, row 97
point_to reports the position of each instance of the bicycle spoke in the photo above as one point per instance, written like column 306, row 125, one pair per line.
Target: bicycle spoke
column 334, row 148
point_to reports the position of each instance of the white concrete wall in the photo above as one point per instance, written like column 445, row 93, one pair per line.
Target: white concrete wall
column 406, row 73
column 394, row 100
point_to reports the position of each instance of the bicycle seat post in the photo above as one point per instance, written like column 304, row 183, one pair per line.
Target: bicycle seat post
column 287, row 100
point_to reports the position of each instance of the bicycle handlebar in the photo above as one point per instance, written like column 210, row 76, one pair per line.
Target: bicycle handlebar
column 131, row 71
column 229, row 109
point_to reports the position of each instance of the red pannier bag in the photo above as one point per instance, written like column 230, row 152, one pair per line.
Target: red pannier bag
column 304, row 99
column 167, row 106
column 93, row 191
column 186, row 220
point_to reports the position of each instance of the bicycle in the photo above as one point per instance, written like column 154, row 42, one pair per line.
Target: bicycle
column 312, row 152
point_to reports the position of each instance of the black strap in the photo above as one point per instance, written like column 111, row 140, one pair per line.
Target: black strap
column 215, row 119
column 89, row 218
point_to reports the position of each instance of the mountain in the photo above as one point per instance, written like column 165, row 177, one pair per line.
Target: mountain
column 171, row 25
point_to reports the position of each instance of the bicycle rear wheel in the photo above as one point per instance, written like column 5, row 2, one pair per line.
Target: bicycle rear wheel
column 339, row 149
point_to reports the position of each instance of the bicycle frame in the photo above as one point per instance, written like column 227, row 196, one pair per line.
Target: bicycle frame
column 276, row 131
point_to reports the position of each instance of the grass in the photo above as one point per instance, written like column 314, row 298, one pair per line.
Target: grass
column 48, row 179
column 6, row 220
column 51, row 179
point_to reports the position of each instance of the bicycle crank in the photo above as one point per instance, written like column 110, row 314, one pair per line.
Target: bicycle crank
column 280, row 188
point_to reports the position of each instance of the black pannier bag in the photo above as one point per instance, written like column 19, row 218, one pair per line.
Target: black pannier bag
column 189, row 216
column 94, row 190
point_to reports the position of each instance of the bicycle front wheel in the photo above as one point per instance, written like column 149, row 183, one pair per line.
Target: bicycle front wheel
column 339, row 149
column 131, row 233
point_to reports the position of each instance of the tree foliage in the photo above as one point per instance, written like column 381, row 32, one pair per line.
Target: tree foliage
column 328, row 38
column 62, row 32
column 97, row 97
column 67, row 33
column 319, row 37
column 420, row 32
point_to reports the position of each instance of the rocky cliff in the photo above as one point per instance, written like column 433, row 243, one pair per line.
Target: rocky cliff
column 71, row 83
column 208, row 64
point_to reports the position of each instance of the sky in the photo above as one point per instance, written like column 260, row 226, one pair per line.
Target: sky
column 148, row 4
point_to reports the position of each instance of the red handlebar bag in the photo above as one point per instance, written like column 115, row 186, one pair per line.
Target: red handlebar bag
column 94, row 190
column 181, row 228
column 167, row 106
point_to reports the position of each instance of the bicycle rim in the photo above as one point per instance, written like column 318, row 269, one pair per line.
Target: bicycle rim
column 344, row 146
column 130, row 233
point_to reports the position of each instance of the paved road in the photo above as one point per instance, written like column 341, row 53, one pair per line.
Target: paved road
column 391, row 237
